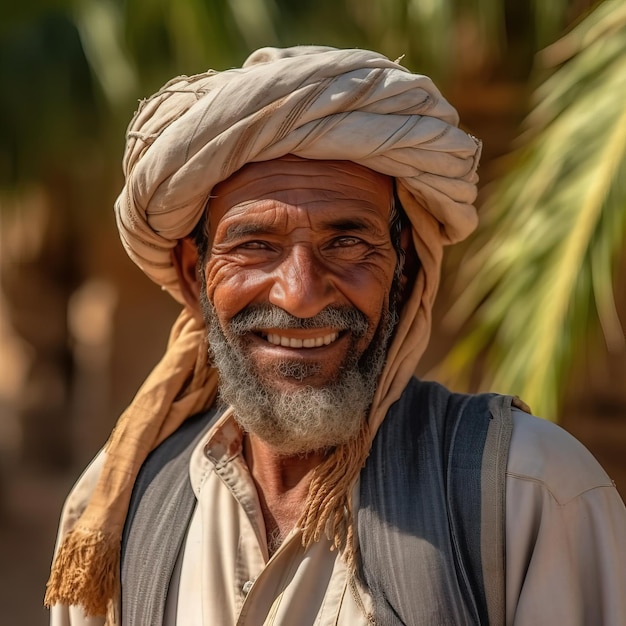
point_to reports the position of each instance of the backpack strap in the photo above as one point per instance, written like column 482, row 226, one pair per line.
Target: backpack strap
column 160, row 509
column 476, row 480
column 431, row 515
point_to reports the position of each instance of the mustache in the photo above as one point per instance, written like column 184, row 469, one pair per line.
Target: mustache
column 269, row 316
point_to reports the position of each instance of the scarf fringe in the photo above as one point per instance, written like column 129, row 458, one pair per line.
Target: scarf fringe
column 328, row 508
column 85, row 571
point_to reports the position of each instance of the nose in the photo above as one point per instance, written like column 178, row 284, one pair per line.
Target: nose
column 302, row 285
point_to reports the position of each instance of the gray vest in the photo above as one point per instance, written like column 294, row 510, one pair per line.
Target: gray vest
column 430, row 521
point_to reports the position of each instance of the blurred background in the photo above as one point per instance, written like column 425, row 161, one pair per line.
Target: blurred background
column 534, row 304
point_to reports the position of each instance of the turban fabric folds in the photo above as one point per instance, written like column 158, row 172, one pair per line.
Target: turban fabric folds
column 312, row 102
column 315, row 103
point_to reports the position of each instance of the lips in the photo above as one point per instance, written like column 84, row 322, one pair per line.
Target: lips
column 293, row 342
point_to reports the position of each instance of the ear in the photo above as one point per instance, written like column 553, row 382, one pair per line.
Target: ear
column 185, row 261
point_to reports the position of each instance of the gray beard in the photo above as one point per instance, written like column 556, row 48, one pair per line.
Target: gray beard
column 310, row 418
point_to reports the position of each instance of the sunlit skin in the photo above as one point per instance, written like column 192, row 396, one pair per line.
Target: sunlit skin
column 301, row 235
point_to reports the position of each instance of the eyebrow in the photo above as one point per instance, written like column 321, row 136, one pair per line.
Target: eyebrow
column 238, row 231
column 340, row 225
column 344, row 224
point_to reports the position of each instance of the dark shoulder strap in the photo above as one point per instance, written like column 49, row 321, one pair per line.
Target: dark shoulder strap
column 493, row 509
column 426, row 516
column 476, row 479
column 160, row 509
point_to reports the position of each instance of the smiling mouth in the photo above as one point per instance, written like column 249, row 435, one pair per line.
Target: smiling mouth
column 292, row 342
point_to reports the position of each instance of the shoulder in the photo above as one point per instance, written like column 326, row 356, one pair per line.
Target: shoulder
column 75, row 503
column 566, row 524
column 80, row 494
column 544, row 453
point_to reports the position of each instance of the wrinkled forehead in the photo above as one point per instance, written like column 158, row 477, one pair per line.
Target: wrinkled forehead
column 290, row 177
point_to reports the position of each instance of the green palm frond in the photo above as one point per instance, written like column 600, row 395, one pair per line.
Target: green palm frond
column 448, row 38
column 99, row 23
column 540, row 276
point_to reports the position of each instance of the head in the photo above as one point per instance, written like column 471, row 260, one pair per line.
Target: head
column 299, row 275
column 317, row 104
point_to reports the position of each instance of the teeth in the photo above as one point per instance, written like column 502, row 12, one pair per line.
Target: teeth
column 289, row 342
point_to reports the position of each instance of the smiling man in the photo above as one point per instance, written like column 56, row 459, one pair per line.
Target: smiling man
column 296, row 293
column 298, row 208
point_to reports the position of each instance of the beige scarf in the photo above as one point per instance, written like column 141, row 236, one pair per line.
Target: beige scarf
column 316, row 103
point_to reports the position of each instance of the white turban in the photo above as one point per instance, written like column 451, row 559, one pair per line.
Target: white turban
column 313, row 102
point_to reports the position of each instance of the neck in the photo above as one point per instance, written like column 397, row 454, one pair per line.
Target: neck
column 276, row 472
column 282, row 483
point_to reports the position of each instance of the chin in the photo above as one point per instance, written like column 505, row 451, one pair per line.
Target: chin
column 293, row 375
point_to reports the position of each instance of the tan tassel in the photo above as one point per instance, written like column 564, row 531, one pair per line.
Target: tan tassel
column 328, row 508
column 85, row 571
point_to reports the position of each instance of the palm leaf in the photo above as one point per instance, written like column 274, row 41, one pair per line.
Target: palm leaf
column 540, row 276
column 99, row 23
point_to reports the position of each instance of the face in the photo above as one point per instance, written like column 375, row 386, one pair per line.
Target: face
column 298, row 285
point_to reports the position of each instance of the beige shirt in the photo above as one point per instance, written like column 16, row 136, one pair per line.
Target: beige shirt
column 565, row 545
column 227, row 553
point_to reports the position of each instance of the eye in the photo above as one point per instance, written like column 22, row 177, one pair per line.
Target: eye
column 254, row 245
column 254, row 250
column 345, row 242
column 347, row 248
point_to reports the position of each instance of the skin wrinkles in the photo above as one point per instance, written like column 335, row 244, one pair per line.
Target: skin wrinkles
column 266, row 226
column 328, row 265
column 277, row 242
column 257, row 184
column 335, row 248
column 288, row 271
column 274, row 214
column 356, row 184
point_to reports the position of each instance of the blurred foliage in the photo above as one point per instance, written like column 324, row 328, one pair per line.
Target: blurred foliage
column 539, row 278
column 73, row 70
column 76, row 67
column 47, row 102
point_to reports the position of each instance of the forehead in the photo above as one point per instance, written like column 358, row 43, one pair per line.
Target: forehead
column 309, row 186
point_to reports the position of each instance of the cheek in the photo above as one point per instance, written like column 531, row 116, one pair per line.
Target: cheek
column 229, row 287
column 368, row 286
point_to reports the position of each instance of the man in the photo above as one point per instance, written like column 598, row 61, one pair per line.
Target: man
column 298, row 207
